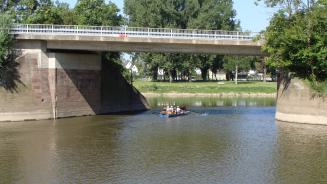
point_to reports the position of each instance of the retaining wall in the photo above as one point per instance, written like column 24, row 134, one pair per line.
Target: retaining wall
column 298, row 103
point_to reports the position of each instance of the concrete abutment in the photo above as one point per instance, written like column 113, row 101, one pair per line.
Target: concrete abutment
column 298, row 103
column 54, row 84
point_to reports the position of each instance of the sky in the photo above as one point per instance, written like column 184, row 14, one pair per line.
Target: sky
column 253, row 18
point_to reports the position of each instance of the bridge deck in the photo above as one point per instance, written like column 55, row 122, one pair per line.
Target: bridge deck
column 129, row 39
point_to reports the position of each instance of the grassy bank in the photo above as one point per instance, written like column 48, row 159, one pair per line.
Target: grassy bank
column 206, row 87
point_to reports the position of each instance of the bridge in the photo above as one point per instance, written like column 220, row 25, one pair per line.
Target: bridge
column 61, row 72
column 136, row 39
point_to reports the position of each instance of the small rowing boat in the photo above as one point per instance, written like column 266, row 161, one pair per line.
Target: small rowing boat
column 165, row 114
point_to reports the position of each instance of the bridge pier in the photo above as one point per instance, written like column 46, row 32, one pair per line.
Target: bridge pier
column 57, row 84
column 297, row 102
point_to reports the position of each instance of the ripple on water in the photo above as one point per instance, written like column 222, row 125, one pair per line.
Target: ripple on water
column 230, row 144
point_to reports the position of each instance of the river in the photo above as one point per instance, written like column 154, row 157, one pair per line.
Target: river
column 227, row 141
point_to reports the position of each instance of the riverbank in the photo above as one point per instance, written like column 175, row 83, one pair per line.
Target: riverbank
column 178, row 95
column 206, row 89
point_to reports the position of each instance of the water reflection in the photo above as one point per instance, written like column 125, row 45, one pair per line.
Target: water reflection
column 302, row 153
column 241, row 144
column 212, row 101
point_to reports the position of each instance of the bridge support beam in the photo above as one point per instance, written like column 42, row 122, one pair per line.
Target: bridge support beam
column 49, row 84
column 298, row 103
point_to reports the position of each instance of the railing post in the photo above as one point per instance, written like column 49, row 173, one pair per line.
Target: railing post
column 148, row 32
column 171, row 33
column 27, row 28
column 52, row 28
column 238, row 34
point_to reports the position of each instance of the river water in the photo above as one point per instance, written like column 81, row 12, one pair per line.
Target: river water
column 228, row 141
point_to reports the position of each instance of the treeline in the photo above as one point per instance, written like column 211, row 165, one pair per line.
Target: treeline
column 183, row 66
column 85, row 12
column 185, row 14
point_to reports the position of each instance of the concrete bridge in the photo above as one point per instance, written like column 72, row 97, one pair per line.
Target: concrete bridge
column 130, row 39
column 61, row 73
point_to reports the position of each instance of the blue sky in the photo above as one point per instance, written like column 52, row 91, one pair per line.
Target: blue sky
column 252, row 17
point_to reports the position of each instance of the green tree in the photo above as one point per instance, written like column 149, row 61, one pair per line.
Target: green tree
column 6, row 40
column 217, row 64
column 8, row 67
column 8, row 5
column 25, row 9
column 45, row 13
column 97, row 13
column 68, row 16
column 297, row 43
column 237, row 64
column 196, row 14
column 289, row 6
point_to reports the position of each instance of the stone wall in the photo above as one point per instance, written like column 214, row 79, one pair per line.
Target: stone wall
column 298, row 103
column 64, row 84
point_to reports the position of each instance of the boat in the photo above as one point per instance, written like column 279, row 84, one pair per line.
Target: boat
column 165, row 114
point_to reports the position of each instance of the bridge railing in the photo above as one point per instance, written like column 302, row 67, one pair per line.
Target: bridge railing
column 125, row 31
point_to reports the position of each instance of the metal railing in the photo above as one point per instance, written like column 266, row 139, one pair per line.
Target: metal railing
column 135, row 32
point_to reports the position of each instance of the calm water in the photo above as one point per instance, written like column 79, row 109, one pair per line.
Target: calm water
column 223, row 141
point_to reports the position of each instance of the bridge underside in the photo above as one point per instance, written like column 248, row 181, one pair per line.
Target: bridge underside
column 49, row 84
column 102, row 43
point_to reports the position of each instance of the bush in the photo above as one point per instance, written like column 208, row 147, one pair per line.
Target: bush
column 6, row 40
column 320, row 88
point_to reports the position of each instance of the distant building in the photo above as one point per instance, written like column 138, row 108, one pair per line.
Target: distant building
column 220, row 75
column 132, row 67
column 197, row 71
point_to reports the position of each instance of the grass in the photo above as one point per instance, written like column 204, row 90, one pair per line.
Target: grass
column 320, row 88
column 206, row 87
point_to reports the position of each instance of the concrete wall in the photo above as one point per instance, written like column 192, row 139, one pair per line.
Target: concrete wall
column 47, row 85
column 29, row 97
column 298, row 103
column 78, row 83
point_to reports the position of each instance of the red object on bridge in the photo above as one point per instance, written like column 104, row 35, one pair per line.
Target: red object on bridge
column 122, row 36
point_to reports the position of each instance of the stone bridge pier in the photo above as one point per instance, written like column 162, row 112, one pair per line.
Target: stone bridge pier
column 50, row 84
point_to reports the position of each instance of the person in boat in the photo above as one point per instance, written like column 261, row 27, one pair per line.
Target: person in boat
column 173, row 109
column 183, row 108
column 169, row 110
column 178, row 110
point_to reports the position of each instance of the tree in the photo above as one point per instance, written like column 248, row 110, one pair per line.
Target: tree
column 68, row 16
column 217, row 64
column 8, row 5
column 289, row 6
column 195, row 14
column 297, row 43
column 45, row 13
column 8, row 67
column 6, row 40
column 97, row 13
column 237, row 64
column 212, row 15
